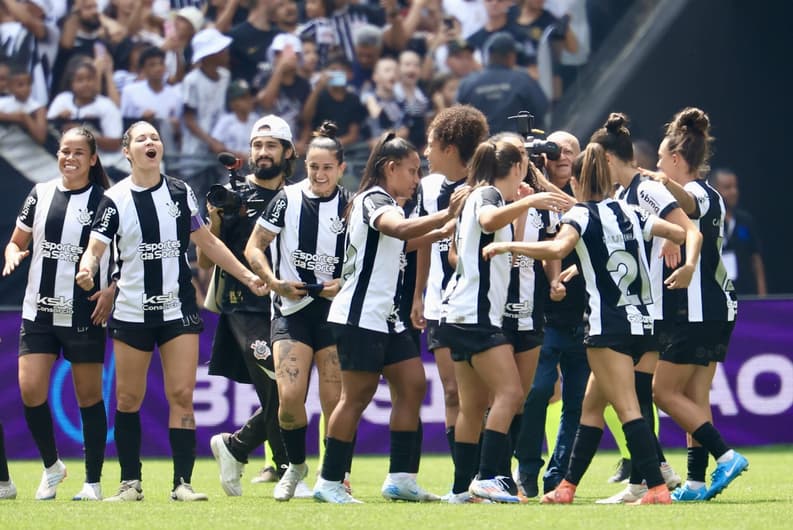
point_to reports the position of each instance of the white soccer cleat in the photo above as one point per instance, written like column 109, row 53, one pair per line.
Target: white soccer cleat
column 464, row 498
column 230, row 468
column 302, row 491
column 285, row 489
column 128, row 491
column 632, row 493
column 7, row 490
column 92, row 491
column 332, row 492
column 184, row 493
column 50, row 478
column 403, row 487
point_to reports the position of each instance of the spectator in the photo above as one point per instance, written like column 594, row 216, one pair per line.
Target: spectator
column 499, row 90
column 151, row 99
column 571, row 62
column 416, row 104
column 471, row 14
column 384, row 110
column 282, row 91
column 443, row 92
column 27, row 35
column 82, row 32
column 499, row 22
column 368, row 50
column 129, row 72
column 225, row 14
column 348, row 17
column 21, row 108
column 5, row 72
column 438, row 44
column 251, row 40
column 83, row 105
column 333, row 100
column 462, row 59
column 234, row 127
column 177, row 45
column 741, row 253
column 309, row 68
column 286, row 16
column 319, row 28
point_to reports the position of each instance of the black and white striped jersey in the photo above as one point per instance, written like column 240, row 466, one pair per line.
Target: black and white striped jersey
column 59, row 221
column 151, row 228
column 309, row 246
column 477, row 293
column 436, row 191
column 528, row 285
column 710, row 295
column 372, row 265
column 614, row 265
column 653, row 197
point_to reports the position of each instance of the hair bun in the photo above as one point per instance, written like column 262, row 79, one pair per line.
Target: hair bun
column 617, row 123
column 328, row 129
column 693, row 119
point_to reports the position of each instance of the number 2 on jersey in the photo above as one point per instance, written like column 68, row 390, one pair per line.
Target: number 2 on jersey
column 624, row 270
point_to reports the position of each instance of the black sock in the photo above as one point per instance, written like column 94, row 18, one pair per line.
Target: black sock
column 465, row 464
column 401, row 449
column 3, row 460
column 644, row 392
column 697, row 463
column 450, row 440
column 494, row 445
column 639, row 438
column 39, row 420
column 183, row 451
column 95, row 436
column 127, row 436
column 512, row 441
column 337, row 455
column 295, row 443
column 709, row 438
column 415, row 454
column 586, row 443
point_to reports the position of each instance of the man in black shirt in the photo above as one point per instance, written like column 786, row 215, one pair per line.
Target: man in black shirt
column 250, row 41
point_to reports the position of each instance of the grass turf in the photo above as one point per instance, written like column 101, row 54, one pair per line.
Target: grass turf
column 762, row 498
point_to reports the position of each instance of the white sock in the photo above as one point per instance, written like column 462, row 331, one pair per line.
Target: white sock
column 726, row 457
column 694, row 484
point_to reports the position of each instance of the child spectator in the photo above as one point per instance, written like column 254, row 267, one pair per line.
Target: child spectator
column 384, row 110
column 319, row 29
column 416, row 104
column 186, row 22
column 20, row 108
column 234, row 128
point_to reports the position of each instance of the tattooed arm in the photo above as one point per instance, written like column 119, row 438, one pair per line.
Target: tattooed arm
column 258, row 242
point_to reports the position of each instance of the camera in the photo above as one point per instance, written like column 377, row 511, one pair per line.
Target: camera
column 232, row 200
column 534, row 146
column 221, row 197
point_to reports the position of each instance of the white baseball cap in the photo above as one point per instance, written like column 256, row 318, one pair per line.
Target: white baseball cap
column 193, row 15
column 208, row 42
column 280, row 42
column 271, row 126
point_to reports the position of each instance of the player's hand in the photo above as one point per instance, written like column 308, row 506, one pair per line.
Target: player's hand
column 671, row 254
column 85, row 279
column 417, row 314
column 568, row 274
column 331, row 289
column 658, row 176
column 104, row 304
column 13, row 259
column 290, row 290
column 256, row 285
column 457, row 200
column 680, row 278
column 558, row 291
column 494, row 249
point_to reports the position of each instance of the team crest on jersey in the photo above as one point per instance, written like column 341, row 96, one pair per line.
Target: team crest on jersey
column 336, row 225
column 403, row 261
column 535, row 219
column 173, row 209
column 84, row 216
column 261, row 350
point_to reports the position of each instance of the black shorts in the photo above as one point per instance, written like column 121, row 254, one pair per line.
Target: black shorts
column 309, row 325
column 144, row 337
column 466, row 340
column 242, row 339
column 433, row 340
column 79, row 345
column 634, row 346
column 699, row 343
column 523, row 341
column 364, row 350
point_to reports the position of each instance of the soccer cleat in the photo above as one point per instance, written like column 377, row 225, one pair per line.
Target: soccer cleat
column 622, row 473
column 285, row 489
column 563, row 494
column 130, row 490
column 656, row 495
column 302, row 491
column 671, row 478
column 632, row 493
column 92, row 491
column 725, row 473
column 230, row 468
column 464, row 498
column 184, row 493
column 50, row 478
column 7, row 490
column 332, row 492
column 494, row 489
column 403, row 487
column 686, row 493
column 266, row 474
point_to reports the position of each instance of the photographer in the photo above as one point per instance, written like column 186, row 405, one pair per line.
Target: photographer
column 241, row 349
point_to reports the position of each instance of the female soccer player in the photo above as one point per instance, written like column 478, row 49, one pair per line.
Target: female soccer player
column 705, row 312
column 371, row 339
column 307, row 222
column 56, row 317
column 607, row 236
column 473, row 310
column 152, row 218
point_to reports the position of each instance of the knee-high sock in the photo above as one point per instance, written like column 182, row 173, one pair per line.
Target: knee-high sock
column 183, row 450
column 585, row 445
column 95, row 437
column 39, row 420
column 127, row 436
